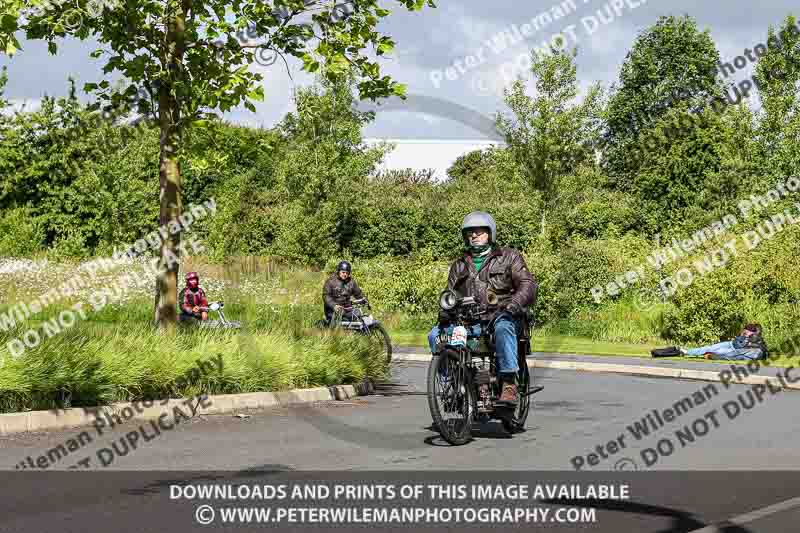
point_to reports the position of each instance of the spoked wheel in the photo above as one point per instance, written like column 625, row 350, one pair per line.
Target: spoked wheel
column 516, row 422
column 451, row 398
column 379, row 333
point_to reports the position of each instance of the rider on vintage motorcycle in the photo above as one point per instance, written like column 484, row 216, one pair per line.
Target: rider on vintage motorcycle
column 485, row 266
column 191, row 299
column 339, row 289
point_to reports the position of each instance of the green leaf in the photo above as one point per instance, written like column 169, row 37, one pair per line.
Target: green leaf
column 8, row 23
column 11, row 46
column 52, row 47
column 385, row 47
column 309, row 63
column 257, row 94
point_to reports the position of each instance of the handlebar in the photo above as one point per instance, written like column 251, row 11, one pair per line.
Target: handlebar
column 219, row 305
column 362, row 301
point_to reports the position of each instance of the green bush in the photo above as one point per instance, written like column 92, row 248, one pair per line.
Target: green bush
column 408, row 285
column 602, row 215
column 21, row 234
column 582, row 265
column 708, row 310
column 544, row 265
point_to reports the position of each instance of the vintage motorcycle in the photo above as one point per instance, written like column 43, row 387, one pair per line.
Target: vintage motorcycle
column 463, row 385
column 222, row 322
column 353, row 318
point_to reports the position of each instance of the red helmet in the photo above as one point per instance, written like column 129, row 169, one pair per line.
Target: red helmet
column 192, row 275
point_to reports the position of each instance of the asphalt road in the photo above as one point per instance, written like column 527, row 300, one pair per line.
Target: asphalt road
column 390, row 432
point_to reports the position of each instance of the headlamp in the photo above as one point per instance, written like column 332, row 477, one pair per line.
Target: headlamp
column 447, row 300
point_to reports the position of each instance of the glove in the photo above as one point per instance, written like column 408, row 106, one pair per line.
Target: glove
column 514, row 308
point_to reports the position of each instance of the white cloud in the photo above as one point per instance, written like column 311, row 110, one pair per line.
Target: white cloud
column 434, row 39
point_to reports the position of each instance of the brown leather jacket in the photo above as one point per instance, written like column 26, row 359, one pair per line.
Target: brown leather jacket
column 337, row 292
column 504, row 271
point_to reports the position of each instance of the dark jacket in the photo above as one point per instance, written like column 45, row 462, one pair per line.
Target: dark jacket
column 504, row 272
column 751, row 342
column 338, row 292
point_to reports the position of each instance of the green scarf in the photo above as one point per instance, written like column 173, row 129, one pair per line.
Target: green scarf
column 478, row 250
column 479, row 255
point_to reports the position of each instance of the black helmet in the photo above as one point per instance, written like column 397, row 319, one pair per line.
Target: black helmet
column 344, row 266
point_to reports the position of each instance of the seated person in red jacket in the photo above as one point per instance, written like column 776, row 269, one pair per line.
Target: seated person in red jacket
column 192, row 298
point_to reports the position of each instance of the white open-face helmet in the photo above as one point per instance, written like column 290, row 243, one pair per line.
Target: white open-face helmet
column 480, row 219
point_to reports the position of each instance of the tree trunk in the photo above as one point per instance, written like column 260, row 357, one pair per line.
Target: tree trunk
column 171, row 208
column 170, row 175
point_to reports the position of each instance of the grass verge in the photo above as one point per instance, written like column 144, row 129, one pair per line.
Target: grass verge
column 565, row 344
column 116, row 356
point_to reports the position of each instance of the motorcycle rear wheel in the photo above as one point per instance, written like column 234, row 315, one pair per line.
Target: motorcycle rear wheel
column 451, row 392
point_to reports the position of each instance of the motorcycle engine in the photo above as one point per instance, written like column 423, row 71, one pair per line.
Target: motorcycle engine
column 483, row 379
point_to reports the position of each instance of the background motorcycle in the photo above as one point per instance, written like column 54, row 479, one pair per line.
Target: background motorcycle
column 353, row 318
column 222, row 322
column 462, row 376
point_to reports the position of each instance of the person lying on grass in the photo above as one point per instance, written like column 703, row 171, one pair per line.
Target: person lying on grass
column 749, row 345
column 192, row 298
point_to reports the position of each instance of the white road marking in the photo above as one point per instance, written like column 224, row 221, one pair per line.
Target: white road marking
column 752, row 516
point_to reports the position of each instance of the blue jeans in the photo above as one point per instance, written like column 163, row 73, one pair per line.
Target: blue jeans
column 505, row 341
column 725, row 350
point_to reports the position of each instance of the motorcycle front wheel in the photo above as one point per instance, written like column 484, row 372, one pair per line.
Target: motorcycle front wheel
column 451, row 398
column 379, row 333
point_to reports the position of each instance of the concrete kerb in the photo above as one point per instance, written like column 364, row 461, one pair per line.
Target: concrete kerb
column 636, row 370
column 13, row 423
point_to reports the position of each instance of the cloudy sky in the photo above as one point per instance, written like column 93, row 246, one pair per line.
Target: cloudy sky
column 430, row 41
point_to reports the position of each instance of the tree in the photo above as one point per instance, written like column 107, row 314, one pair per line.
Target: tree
column 548, row 136
column 669, row 63
column 778, row 73
column 322, row 168
column 321, row 141
column 3, row 104
column 178, row 76
column 406, row 176
column 3, row 81
column 672, row 180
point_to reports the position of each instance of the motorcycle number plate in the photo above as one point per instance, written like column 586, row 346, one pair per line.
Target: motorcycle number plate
column 459, row 337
